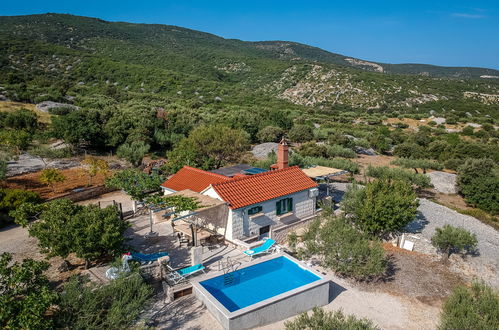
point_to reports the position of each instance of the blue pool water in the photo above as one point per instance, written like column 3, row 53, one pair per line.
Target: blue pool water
column 247, row 286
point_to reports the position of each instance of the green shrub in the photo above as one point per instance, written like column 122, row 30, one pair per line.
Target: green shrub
column 25, row 295
column 474, row 308
column 453, row 163
column 133, row 152
column 322, row 320
column 344, row 249
column 382, row 207
column 478, row 181
column 385, row 172
column 424, row 164
column 10, row 199
column 339, row 151
column 408, row 150
column 301, row 133
column 339, row 163
column 468, row 131
column 63, row 227
column 86, row 305
column 449, row 240
column 270, row 134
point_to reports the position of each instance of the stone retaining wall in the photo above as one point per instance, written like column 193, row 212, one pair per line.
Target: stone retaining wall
column 87, row 193
column 280, row 235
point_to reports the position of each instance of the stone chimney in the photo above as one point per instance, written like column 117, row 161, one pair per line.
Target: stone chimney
column 282, row 155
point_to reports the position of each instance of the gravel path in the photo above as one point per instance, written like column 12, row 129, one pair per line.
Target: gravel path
column 432, row 215
column 486, row 264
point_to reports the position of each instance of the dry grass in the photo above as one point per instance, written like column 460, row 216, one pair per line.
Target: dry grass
column 8, row 106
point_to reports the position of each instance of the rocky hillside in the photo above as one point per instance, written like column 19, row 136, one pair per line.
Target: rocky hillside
column 56, row 57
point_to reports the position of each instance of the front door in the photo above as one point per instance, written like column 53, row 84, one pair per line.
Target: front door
column 264, row 232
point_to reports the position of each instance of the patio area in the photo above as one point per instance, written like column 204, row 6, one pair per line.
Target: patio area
column 167, row 241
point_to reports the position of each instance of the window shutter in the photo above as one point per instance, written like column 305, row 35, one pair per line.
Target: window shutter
column 278, row 207
column 290, row 204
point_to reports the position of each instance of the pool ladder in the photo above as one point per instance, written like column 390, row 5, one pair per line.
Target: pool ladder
column 228, row 267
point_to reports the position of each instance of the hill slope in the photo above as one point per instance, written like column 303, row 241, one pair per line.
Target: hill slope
column 53, row 56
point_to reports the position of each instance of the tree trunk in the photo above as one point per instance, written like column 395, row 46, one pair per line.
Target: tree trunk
column 87, row 264
column 445, row 256
column 416, row 170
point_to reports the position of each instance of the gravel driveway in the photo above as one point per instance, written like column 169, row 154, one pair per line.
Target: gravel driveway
column 432, row 215
column 486, row 264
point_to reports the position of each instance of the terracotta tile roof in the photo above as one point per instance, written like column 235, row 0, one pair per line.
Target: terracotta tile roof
column 253, row 189
column 192, row 178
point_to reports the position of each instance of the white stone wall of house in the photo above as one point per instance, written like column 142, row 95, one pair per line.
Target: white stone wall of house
column 244, row 225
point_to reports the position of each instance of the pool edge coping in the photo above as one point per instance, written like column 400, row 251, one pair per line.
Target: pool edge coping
column 251, row 308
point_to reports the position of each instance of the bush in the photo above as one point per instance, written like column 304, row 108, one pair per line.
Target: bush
column 25, row 296
column 270, row 134
column 86, row 305
column 471, row 308
column 384, row 172
column 321, row 319
column 301, row 133
column 133, row 152
column 312, row 149
column 449, row 240
column 344, row 249
column 424, row 164
column 408, row 150
column 478, row 181
column 468, row 131
column 382, row 207
column 453, row 163
column 63, row 227
column 51, row 176
column 22, row 119
column 339, row 151
column 10, row 199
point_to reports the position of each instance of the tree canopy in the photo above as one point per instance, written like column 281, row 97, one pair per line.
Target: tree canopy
column 25, row 295
column 208, row 147
column 382, row 207
column 63, row 227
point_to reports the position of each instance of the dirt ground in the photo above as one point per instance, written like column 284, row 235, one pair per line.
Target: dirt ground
column 417, row 276
column 75, row 178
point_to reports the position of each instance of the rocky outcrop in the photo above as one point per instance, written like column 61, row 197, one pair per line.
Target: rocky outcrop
column 47, row 106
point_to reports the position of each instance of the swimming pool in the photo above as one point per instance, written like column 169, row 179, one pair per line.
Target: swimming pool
column 250, row 285
column 262, row 292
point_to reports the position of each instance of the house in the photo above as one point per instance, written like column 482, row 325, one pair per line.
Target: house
column 260, row 202
column 191, row 178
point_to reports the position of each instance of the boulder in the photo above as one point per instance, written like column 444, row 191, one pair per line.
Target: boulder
column 443, row 182
column 364, row 151
column 262, row 150
column 46, row 106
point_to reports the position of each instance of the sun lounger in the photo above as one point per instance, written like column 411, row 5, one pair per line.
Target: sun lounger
column 144, row 258
column 181, row 274
column 266, row 247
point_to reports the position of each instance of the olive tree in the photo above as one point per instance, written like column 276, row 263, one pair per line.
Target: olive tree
column 321, row 319
column 25, row 295
column 476, row 307
column 62, row 227
column 449, row 240
column 382, row 207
